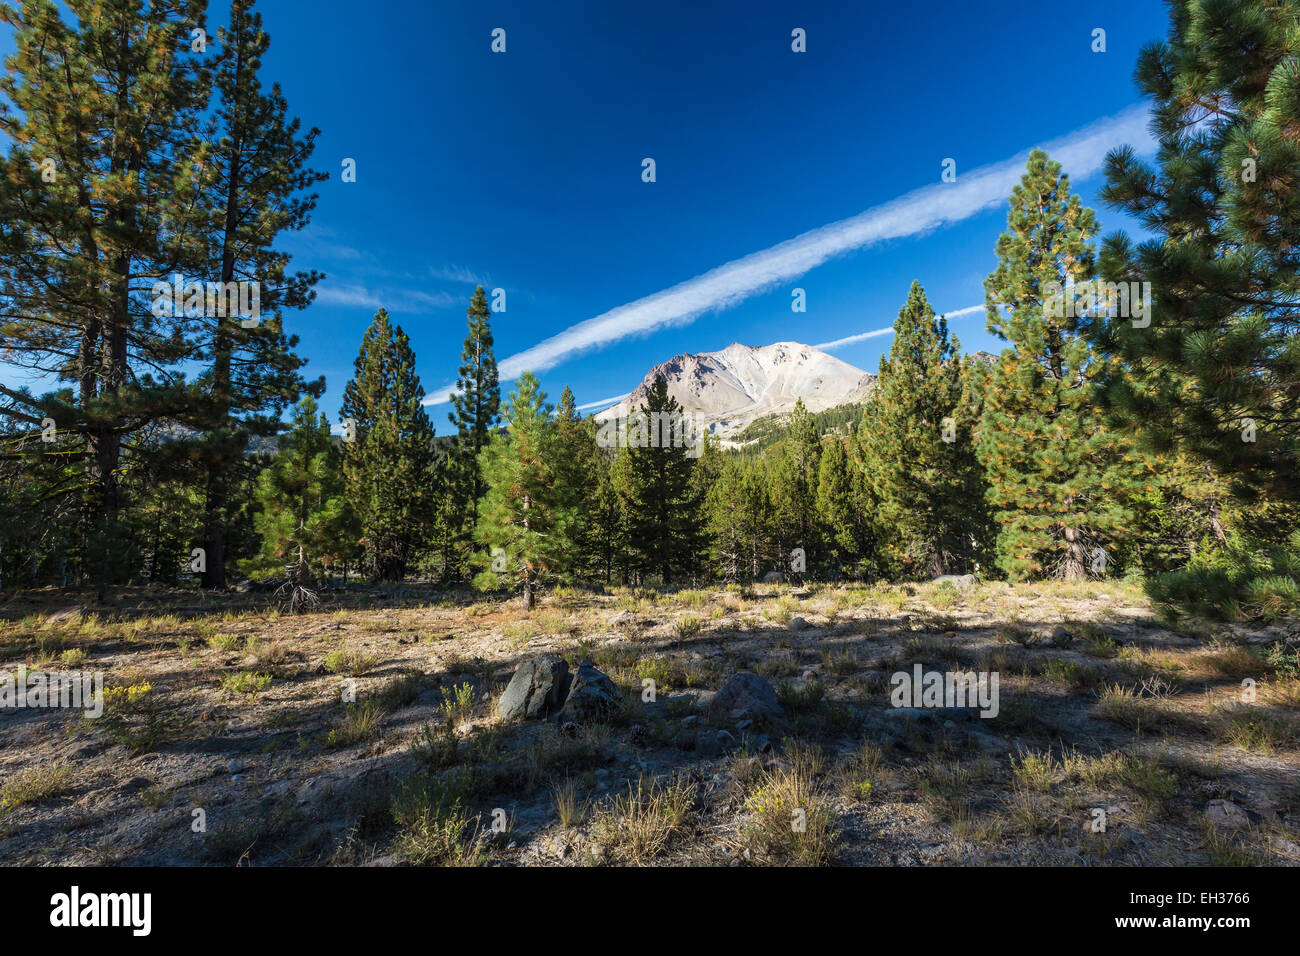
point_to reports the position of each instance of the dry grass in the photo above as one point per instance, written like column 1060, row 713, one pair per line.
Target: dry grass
column 790, row 821
column 33, row 786
column 644, row 823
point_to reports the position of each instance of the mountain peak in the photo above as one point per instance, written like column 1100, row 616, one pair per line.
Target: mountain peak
column 728, row 389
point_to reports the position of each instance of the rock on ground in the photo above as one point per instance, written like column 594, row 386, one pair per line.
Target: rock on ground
column 592, row 693
column 746, row 696
column 537, row 689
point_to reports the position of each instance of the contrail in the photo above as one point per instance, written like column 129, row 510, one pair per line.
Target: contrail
column 888, row 330
column 600, row 404
column 1080, row 153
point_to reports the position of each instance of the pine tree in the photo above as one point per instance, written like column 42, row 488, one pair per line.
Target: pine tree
column 606, row 525
column 794, row 482
column 525, row 524
column 476, row 405
column 1211, row 380
column 388, row 459
column 576, row 476
column 917, row 451
column 1214, row 373
column 304, row 516
column 253, row 168
column 98, row 116
column 1057, row 480
column 660, row 502
column 738, row 514
column 835, row 507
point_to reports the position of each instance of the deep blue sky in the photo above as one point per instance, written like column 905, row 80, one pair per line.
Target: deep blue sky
column 523, row 170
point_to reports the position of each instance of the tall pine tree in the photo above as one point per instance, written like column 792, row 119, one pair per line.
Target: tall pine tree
column 476, row 405
column 660, row 501
column 304, row 517
column 795, row 476
column 1213, row 377
column 1057, row 478
column 525, row 524
column 917, row 450
column 388, row 459
column 98, row 115
column 253, row 167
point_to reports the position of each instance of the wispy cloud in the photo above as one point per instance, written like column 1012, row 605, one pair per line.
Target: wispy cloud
column 923, row 210
column 458, row 274
column 602, row 403
column 889, row 329
column 394, row 300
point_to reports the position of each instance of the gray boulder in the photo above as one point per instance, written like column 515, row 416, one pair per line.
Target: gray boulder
column 956, row 580
column 537, row 689
column 746, row 696
column 592, row 693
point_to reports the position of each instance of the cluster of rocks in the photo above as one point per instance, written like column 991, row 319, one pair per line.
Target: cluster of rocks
column 543, row 686
column 745, row 706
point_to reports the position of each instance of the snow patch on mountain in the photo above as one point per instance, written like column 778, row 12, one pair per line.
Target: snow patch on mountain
column 727, row 390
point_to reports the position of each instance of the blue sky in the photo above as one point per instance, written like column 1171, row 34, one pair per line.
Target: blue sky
column 522, row 170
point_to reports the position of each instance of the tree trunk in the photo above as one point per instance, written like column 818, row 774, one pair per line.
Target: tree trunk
column 218, row 497
column 1075, row 566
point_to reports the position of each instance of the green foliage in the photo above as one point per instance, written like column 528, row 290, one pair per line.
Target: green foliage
column 1213, row 375
column 389, row 464
column 917, row 450
column 476, row 405
column 1057, row 477
column 1244, row 578
column 250, row 190
column 525, row 522
column 304, row 522
column 660, row 501
column 738, row 516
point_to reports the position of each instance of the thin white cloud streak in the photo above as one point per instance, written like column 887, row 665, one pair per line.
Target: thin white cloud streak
column 875, row 333
column 923, row 210
column 602, row 403
column 394, row 300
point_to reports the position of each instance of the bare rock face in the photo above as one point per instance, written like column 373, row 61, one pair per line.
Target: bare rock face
column 746, row 696
column 593, row 694
column 1226, row 815
column 537, row 689
column 959, row 581
column 725, row 391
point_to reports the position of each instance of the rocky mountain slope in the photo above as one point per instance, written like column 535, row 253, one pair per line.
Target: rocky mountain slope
column 727, row 390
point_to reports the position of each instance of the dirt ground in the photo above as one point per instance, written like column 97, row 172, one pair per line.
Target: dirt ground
column 365, row 733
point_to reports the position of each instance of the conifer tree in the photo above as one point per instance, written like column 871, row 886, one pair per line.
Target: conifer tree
column 254, row 172
column 525, row 523
column 739, row 519
column 97, row 114
column 1057, row 479
column 576, row 473
column 917, row 451
column 835, row 507
column 660, row 501
column 794, row 479
column 303, row 519
column 606, row 527
column 476, row 405
column 1212, row 377
column 388, row 459
column 1214, row 373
